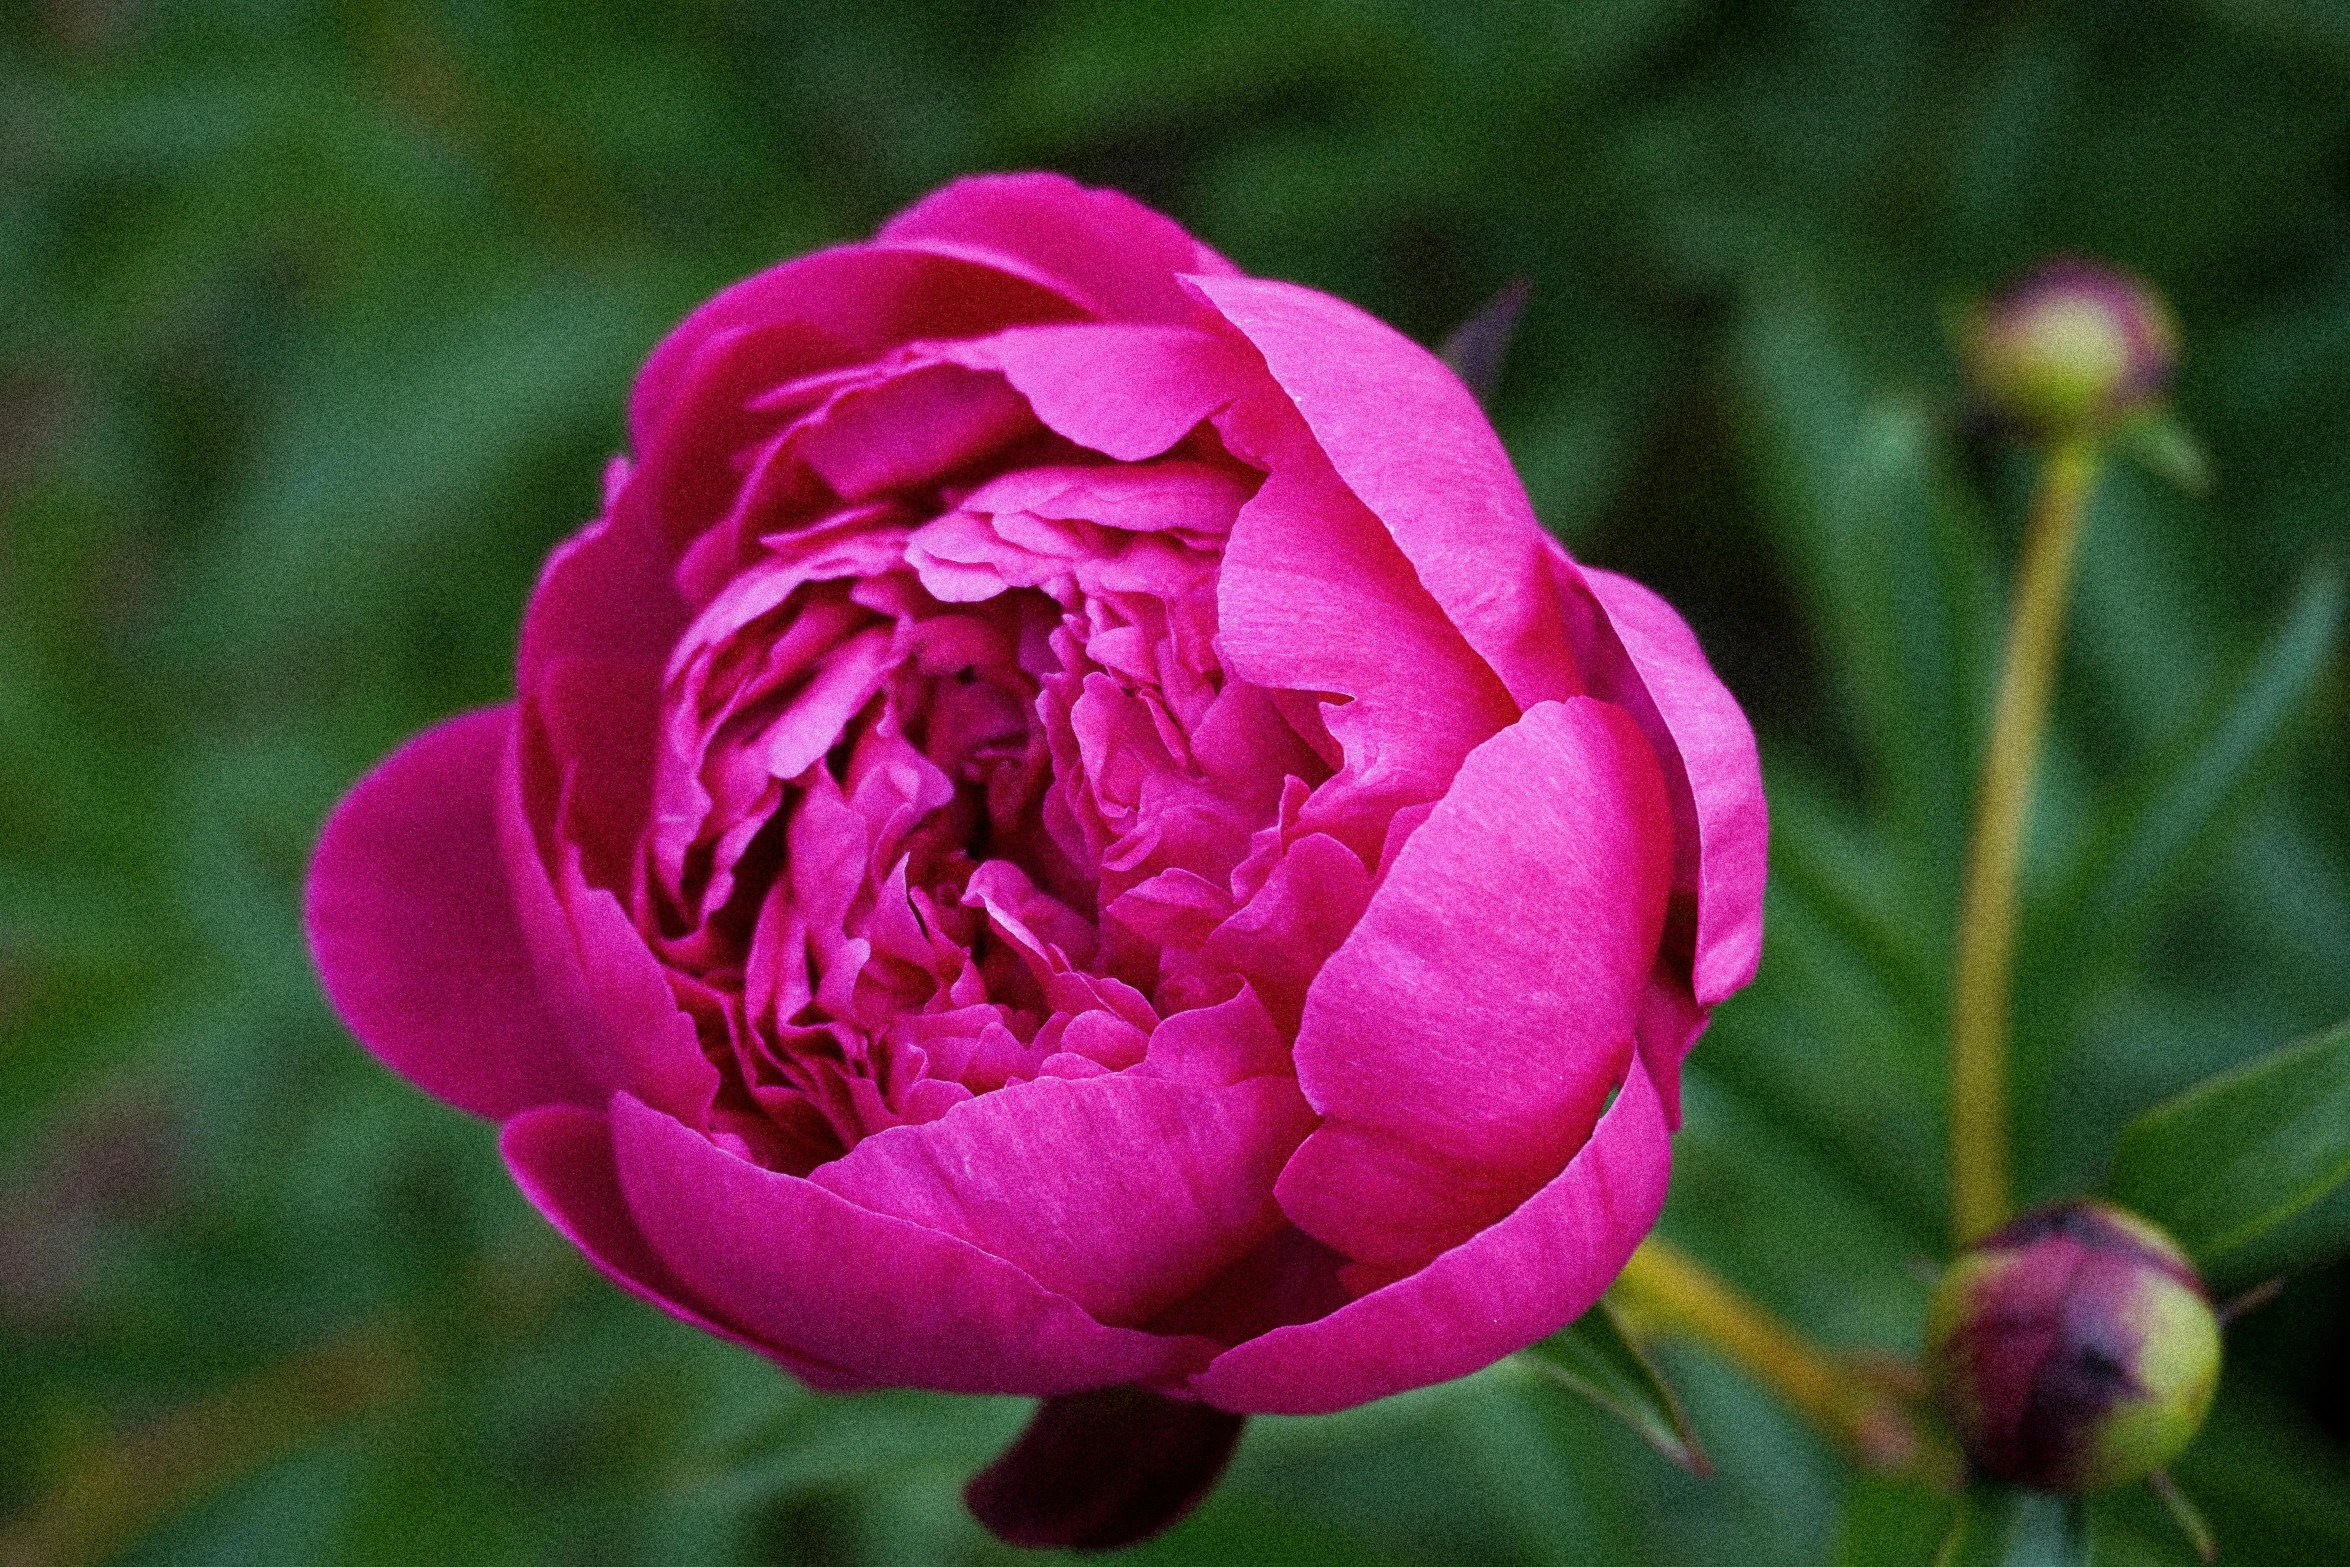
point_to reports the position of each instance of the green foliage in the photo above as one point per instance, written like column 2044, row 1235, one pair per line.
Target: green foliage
column 2000, row 1526
column 1592, row 1356
column 2232, row 1161
column 316, row 323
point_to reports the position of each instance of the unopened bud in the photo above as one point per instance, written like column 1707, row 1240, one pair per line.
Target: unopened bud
column 2074, row 1349
column 2072, row 347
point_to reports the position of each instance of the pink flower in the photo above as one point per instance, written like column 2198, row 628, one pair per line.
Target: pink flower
column 1067, row 829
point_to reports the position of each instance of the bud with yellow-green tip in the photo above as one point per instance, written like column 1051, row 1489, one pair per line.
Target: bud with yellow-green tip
column 2072, row 348
column 2074, row 1349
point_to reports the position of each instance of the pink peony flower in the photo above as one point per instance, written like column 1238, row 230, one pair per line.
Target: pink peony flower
column 1067, row 830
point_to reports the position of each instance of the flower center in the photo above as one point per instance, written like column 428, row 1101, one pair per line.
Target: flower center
column 937, row 799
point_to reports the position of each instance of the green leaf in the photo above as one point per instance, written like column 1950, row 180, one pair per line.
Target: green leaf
column 1891, row 1522
column 2160, row 832
column 1593, row 1356
column 2166, row 446
column 2237, row 1156
column 2003, row 1526
column 1860, row 499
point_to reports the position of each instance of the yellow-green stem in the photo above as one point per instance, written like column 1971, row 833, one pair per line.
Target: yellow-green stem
column 1664, row 1290
column 1985, row 954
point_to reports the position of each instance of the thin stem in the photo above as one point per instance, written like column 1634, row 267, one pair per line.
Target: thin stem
column 1985, row 955
column 1665, row 1290
column 2186, row 1515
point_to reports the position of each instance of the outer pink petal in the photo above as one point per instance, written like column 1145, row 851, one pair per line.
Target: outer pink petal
column 415, row 934
column 607, row 592
column 654, row 1053
column 833, row 308
column 561, row 1157
column 593, row 966
column 1412, row 444
column 887, row 1301
column 1124, row 1192
column 1524, row 1278
column 1462, row 1040
column 1716, row 751
column 1104, row 250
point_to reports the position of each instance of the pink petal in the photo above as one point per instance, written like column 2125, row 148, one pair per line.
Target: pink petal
column 1315, row 597
column 1135, row 496
column 1099, row 248
column 1520, row 1280
column 1715, row 748
column 600, row 719
column 889, row 1302
column 1129, row 392
column 1228, row 1042
column 606, row 593
column 836, row 307
column 1462, row 1040
column 1670, row 1023
column 1393, row 1201
column 618, row 1018
column 1281, row 937
column 416, row 937
column 910, row 428
column 1411, row 443
column 1123, row 1192
column 561, row 1157
column 654, row 1052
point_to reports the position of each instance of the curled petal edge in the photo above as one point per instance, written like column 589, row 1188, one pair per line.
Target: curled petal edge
column 1520, row 1280
column 415, row 934
column 888, row 1301
column 1715, row 747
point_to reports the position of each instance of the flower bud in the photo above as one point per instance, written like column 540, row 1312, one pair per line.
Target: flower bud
column 2072, row 347
column 2074, row 1349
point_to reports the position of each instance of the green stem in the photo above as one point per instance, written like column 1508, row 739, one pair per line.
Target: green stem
column 1664, row 1290
column 1985, row 956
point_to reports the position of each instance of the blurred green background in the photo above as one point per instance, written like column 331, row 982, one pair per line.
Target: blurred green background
column 316, row 323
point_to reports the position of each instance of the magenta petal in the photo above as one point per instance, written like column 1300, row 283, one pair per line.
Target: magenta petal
column 1227, row 1042
column 889, row 1302
column 1394, row 1201
column 1412, row 444
column 655, row 1053
column 1670, row 1022
column 1139, row 497
column 817, row 312
column 1313, row 596
column 1129, row 392
column 1462, row 1040
column 1123, row 1192
column 1524, row 1278
column 1098, row 248
column 561, row 1157
column 415, row 934
column 910, row 428
column 1302, row 913
column 1102, row 1470
column 608, row 593
column 1717, row 753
